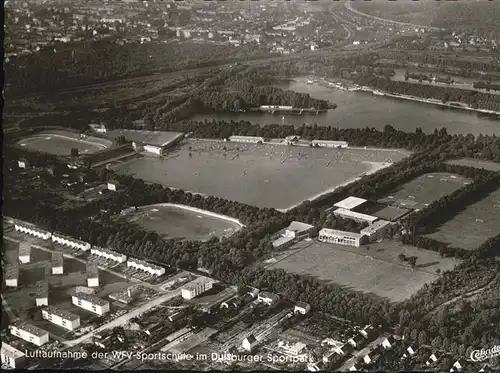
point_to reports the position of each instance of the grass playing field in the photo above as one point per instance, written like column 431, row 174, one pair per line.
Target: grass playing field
column 61, row 143
column 262, row 175
column 425, row 189
column 376, row 270
column 181, row 223
column 474, row 225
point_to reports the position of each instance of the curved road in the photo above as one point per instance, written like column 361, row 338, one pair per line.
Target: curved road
column 350, row 8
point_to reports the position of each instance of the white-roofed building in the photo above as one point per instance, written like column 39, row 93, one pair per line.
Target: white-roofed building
column 71, row 242
column 108, row 254
column 295, row 349
column 247, row 139
column 329, row 144
column 92, row 275
column 350, row 203
column 302, row 308
column 344, row 213
column 268, row 298
column 42, row 293
column 376, row 230
column 249, row 343
column 145, row 266
column 62, row 318
column 57, row 264
column 11, row 357
column 341, row 237
column 11, row 275
column 295, row 231
column 196, row 287
column 90, row 303
column 113, row 185
column 29, row 333
column 32, row 230
column 22, row 163
column 24, row 252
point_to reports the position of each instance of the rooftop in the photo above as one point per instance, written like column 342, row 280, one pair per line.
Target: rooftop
column 350, row 202
column 144, row 263
column 281, row 241
column 57, row 259
column 236, row 137
column 10, row 351
column 335, row 232
column 91, row 299
column 107, row 251
column 301, row 304
column 200, row 280
column 355, row 215
column 62, row 313
column 11, row 271
column 329, row 141
column 266, row 294
column 24, row 249
column 156, row 138
column 30, row 329
column 69, row 238
column 299, row 227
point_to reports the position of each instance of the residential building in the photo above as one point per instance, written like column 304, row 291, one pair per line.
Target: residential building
column 42, row 293
column 376, row 230
column 112, row 185
column 356, row 367
column 253, row 292
column 247, row 139
column 22, row 163
column 371, row 356
column 350, row 203
column 389, row 342
column 11, row 275
column 411, row 350
column 108, row 254
column 458, row 365
column 268, row 298
column 368, row 332
column 364, row 218
column 145, row 266
column 11, row 357
column 249, row 343
column 329, row 144
column 92, row 275
column 62, row 318
column 357, row 341
column 32, row 230
column 302, row 307
column 435, row 356
column 91, row 303
column 294, row 349
column 24, row 252
column 100, row 128
column 29, row 333
column 341, row 237
column 57, row 264
column 196, row 287
column 71, row 242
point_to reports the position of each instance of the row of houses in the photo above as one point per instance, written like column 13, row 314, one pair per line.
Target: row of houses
column 108, row 254
column 145, row 266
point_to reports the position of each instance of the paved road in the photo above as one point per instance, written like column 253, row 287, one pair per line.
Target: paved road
column 350, row 8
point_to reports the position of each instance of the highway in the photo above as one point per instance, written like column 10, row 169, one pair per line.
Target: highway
column 351, row 9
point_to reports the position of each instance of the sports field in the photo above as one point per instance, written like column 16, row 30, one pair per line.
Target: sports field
column 262, row 175
column 474, row 225
column 61, row 143
column 376, row 270
column 182, row 223
column 424, row 190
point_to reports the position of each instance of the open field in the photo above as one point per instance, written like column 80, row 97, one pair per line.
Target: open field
column 424, row 190
column 61, row 143
column 470, row 162
column 377, row 270
column 182, row 223
column 262, row 175
column 22, row 299
column 474, row 225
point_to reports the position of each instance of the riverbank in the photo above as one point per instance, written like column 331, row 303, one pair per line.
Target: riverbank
column 354, row 87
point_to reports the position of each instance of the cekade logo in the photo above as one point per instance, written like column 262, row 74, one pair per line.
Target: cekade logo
column 481, row 355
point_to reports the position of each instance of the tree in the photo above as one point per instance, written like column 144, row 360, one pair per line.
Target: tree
column 412, row 261
column 402, row 257
column 74, row 152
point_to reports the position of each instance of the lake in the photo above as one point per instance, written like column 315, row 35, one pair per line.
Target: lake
column 363, row 109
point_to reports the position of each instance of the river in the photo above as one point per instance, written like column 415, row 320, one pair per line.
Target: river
column 364, row 109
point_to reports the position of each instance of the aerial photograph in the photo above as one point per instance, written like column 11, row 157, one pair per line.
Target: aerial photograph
column 244, row 185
